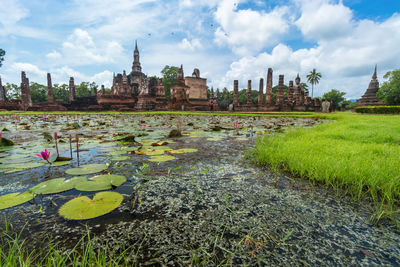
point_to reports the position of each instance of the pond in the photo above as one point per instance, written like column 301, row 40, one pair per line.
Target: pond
column 179, row 200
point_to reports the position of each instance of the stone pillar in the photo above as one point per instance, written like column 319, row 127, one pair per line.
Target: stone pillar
column 261, row 92
column 103, row 90
column 25, row 92
column 248, row 101
column 290, row 94
column 50, row 97
column 95, row 90
column 212, row 93
column 235, row 93
column 279, row 93
column 71, row 89
column 2, row 92
column 268, row 93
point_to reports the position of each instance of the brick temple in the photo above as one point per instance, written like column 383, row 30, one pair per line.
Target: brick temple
column 295, row 99
column 369, row 98
column 137, row 92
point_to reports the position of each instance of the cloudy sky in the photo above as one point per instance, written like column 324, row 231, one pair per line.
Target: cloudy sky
column 225, row 39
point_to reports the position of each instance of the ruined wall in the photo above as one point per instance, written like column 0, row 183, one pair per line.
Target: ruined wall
column 198, row 87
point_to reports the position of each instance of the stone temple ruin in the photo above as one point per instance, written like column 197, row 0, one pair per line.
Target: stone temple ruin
column 135, row 91
column 369, row 98
column 296, row 98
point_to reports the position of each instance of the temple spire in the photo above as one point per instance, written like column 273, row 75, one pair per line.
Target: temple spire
column 136, row 62
column 374, row 75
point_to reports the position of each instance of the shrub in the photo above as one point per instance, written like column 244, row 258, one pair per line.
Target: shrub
column 378, row 109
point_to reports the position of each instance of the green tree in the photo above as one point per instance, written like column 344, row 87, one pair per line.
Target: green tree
column 83, row 90
column 61, row 92
column 335, row 97
column 13, row 91
column 168, row 78
column 38, row 92
column 390, row 90
column 2, row 54
column 313, row 77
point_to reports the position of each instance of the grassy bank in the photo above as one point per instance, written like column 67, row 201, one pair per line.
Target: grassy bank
column 358, row 154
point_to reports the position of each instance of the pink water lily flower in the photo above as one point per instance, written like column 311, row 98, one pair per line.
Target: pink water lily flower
column 44, row 155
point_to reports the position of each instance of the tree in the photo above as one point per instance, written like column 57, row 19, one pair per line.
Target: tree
column 313, row 77
column 2, row 54
column 83, row 90
column 61, row 92
column 390, row 90
column 13, row 91
column 335, row 97
column 38, row 92
column 169, row 77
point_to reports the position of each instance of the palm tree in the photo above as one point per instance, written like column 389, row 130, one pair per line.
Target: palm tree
column 313, row 77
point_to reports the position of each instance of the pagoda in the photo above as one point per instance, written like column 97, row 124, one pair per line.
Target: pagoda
column 369, row 98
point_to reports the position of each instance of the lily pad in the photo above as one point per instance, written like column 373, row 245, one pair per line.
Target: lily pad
column 86, row 169
column 6, row 142
column 161, row 158
column 120, row 158
column 183, row 150
column 52, row 186
column 83, row 208
column 100, row 182
column 14, row 199
column 60, row 163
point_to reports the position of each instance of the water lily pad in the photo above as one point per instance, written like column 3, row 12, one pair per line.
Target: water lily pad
column 100, row 182
column 52, row 186
column 118, row 152
column 60, row 163
column 161, row 158
column 6, row 142
column 120, row 158
column 83, row 208
column 184, row 150
column 14, row 199
column 214, row 139
column 86, row 169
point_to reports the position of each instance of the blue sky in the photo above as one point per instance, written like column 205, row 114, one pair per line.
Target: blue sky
column 225, row 39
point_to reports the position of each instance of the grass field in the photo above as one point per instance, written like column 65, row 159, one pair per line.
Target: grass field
column 358, row 154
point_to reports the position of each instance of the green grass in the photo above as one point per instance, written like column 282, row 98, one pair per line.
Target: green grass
column 356, row 154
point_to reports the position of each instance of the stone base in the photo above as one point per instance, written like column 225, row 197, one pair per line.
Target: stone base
column 11, row 105
column 47, row 106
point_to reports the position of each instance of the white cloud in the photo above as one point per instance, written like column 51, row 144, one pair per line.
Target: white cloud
column 190, row 45
column 79, row 49
column 29, row 69
column 247, row 31
column 11, row 12
column 321, row 20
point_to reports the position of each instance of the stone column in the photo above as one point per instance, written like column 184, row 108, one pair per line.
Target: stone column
column 103, row 90
column 248, row 101
column 279, row 93
column 2, row 92
column 71, row 89
column 235, row 93
column 268, row 93
column 50, row 97
column 212, row 93
column 290, row 93
column 25, row 91
column 261, row 92
column 95, row 90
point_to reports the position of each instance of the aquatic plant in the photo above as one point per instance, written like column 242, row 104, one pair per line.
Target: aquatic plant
column 55, row 139
column 44, row 155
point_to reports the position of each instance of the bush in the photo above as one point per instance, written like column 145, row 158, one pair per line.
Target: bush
column 378, row 109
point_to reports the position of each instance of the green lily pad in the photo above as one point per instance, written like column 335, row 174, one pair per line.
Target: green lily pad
column 83, row 208
column 183, row 150
column 161, row 158
column 52, row 186
column 22, row 166
column 14, row 199
column 60, row 163
column 154, row 153
column 214, row 139
column 100, row 182
column 86, row 169
column 118, row 152
column 6, row 142
column 120, row 158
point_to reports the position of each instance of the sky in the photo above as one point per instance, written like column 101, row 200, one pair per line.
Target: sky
column 225, row 39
